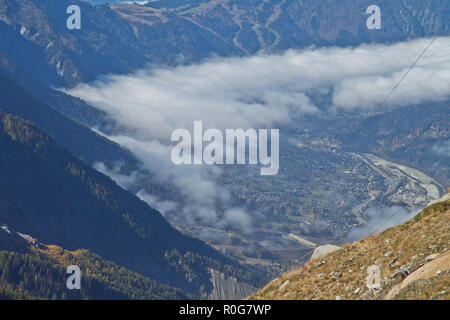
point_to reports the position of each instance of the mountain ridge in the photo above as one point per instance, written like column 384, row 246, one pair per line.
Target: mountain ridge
column 121, row 38
column 343, row 274
column 22, row 255
column 56, row 198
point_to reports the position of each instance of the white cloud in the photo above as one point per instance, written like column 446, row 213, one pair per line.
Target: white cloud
column 380, row 219
column 442, row 148
column 262, row 91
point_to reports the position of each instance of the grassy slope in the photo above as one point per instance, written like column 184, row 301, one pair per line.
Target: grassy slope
column 343, row 273
column 49, row 194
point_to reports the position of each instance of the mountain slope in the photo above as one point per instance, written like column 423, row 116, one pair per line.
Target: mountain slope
column 283, row 24
column 419, row 245
column 30, row 269
column 73, row 108
column 79, row 139
column 411, row 135
column 120, row 38
column 37, row 271
column 56, row 198
column 34, row 35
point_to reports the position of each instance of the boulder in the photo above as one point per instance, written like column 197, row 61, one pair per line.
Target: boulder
column 322, row 251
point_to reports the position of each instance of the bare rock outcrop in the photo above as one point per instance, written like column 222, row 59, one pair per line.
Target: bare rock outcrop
column 322, row 251
column 228, row 288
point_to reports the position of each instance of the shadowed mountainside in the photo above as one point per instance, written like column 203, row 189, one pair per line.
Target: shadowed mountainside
column 416, row 245
column 55, row 197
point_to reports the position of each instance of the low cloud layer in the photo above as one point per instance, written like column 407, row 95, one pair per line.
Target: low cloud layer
column 380, row 219
column 442, row 148
column 266, row 90
column 262, row 91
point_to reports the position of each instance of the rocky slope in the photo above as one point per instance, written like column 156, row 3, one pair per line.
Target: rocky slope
column 120, row 38
column 77, row 138
column 420, row 247
column 228, row 287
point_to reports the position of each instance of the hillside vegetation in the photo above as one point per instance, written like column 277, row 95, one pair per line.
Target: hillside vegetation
column 421, row 245
column 38, row 271
column 49, row 194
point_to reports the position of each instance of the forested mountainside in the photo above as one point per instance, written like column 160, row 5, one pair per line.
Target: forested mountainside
column 420, row 247
column 76, row 137
column 70, row 106
column 32, row 270
column 120, row 38
column 59, row 200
